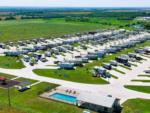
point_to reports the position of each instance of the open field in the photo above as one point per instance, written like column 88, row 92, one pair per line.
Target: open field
column 84, row 72
column 136, row 106
column 37, row 28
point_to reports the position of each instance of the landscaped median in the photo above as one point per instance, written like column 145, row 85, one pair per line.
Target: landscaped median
column 81, row 75
column 144, row 89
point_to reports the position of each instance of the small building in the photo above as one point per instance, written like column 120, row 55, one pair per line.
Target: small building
column 99, row 103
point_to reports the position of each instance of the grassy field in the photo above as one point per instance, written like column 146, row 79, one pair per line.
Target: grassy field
column 30, row 102
column 145, row 89
column 83, row 74
column 10, row 62
column 136, row 106
column 37, row 28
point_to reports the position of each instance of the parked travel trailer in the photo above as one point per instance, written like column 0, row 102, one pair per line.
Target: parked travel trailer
column 99, row 70
column 61, row 49
column 92, row 57
column 111, row 50
column 48, row 54
column 55, row 51
column 76, row 62
column 100, row 53
column 37, row 55
column 12, row 53
column 43, row 58
column 84, row 60
column 26, row 58
column 2, row 45
column 66, row 65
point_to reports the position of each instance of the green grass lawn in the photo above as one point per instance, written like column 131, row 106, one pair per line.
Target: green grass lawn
column 30, row 102
column 36, row 28
column 141, row 80
column 10, row 62
column 136, row 106
column 78, row 75
column 7, row 76
column 145, row 89
column 83, row 74
column 25, row 79
column 144, row 75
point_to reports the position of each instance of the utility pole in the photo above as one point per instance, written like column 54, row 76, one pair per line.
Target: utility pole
column 8, row 92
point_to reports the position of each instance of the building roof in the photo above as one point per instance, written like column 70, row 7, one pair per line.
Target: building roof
column 100, row 100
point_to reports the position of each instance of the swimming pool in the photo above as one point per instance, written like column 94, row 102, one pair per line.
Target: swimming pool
column 64, row 98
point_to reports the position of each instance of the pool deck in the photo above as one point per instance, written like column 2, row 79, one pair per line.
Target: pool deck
column 61, row 90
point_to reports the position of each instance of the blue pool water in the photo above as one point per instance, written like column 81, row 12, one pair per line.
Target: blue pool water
column 64, row 97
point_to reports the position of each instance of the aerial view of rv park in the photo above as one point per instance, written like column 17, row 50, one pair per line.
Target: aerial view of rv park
column 74, row 60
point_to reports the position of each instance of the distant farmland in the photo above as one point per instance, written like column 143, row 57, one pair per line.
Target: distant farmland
column 37, row 28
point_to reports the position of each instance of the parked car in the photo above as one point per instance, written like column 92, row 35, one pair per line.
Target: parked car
column 107, row 66
column 113, row 63
column 127, row 64
column 147, row 71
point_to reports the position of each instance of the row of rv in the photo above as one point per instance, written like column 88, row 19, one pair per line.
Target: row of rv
column 59, row 45
column 123, row 59
column 100, row 53
column 24, row 47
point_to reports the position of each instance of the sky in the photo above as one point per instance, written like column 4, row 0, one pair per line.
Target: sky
column 76, row 3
